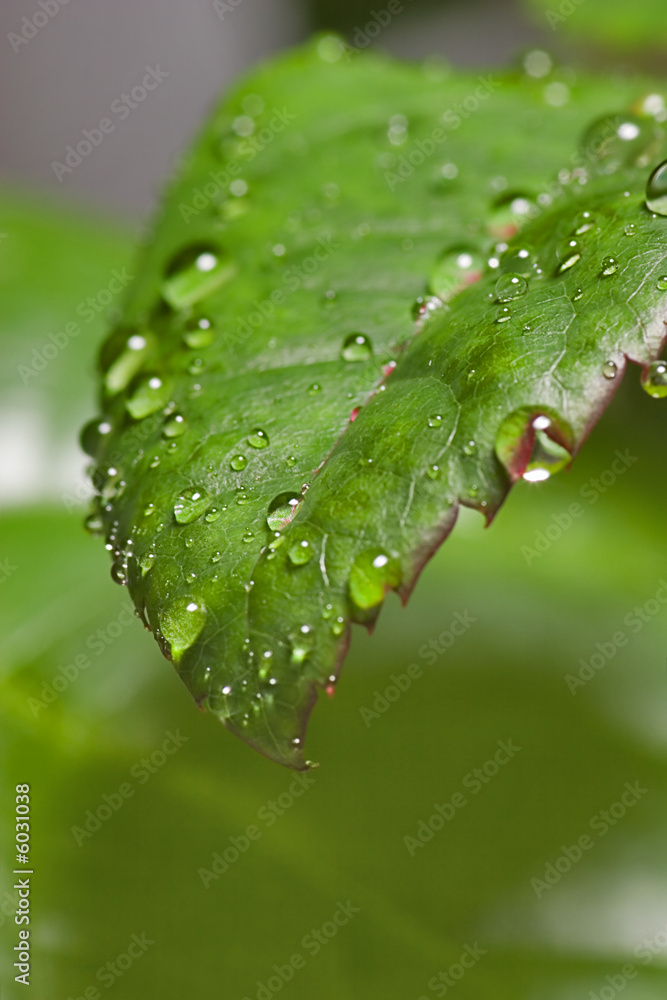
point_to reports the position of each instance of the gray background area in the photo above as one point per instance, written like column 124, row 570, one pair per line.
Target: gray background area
column 65, row 78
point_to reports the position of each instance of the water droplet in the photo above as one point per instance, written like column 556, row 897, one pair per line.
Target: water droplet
column 584, row 223
column 248, row 536
column 290, row 460
column 433, row 472
column 661, row 283
column 151, row 394
column 301, row 552
column 373, row 572
column 174, row 426
column 258, row 438
column 618, row 140
column 128, row 361
column 356, row 347
column 509, row 213
column 238, row 463
column 630, row 229
column 455, row 268
column 198, row 332
column 94, row 524
column 579, row 294
column 654, row 379
column 194, row 273
column 282, row 510
column 338, row 626
column 435, row 420
column 568, row 254
column 94, row 434
column 181, row 623
column 510, row 286
column 146, row 561
column 469, row 448
column 119, row 571
column 609, row 369
column 534, row 443
column 656, row 190
column 215, row 557
column 213, row 513
column 314, row 388
column 609, row 265
column 190, row 504
column 504, row 314
column 516, row 261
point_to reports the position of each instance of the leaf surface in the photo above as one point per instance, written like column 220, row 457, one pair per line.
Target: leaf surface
column 291, row 439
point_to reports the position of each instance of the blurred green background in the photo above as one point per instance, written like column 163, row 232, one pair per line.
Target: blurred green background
column 148, row 870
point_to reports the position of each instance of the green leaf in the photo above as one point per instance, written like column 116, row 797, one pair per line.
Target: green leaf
column 639, row 25
column 266, row 473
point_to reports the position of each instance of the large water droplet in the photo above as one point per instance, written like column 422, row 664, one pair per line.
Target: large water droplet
column 356, row 347
column 151, row 394
column 656, row 190
column 194, row 273
column 282, row 510
column 654, row 379
column 258, row 438
column 190, row 504
column 454, row 269
column 534, row 443
column 372, row 573
column 181, row 622
column 93, row 436
column 619, row 140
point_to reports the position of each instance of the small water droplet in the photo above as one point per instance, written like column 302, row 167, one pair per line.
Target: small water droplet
column 510, row 286
column 174, row 426
column 238, row 463
column 198, row 332
column 609, row 369
column 248, row 536
column 194, row 273
column 433, row 472
column 301, row 552
column 435, row 420
column 128, row 354
column 258, row 438
column 469, row 448
column 314, row 388
column 151, row 394
column 215, row 557
column 181, row 623
column 356, row 347
column 190, row 504
column 94, row 524
column 533, row 443
column 568, row 254
column 146, row 561
column 282, row 510
column 630, row 229
column 609, row 265
column 455, row 268
column 656, row 190
column 654, row 379
column 372, row 573
column 579, row 294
